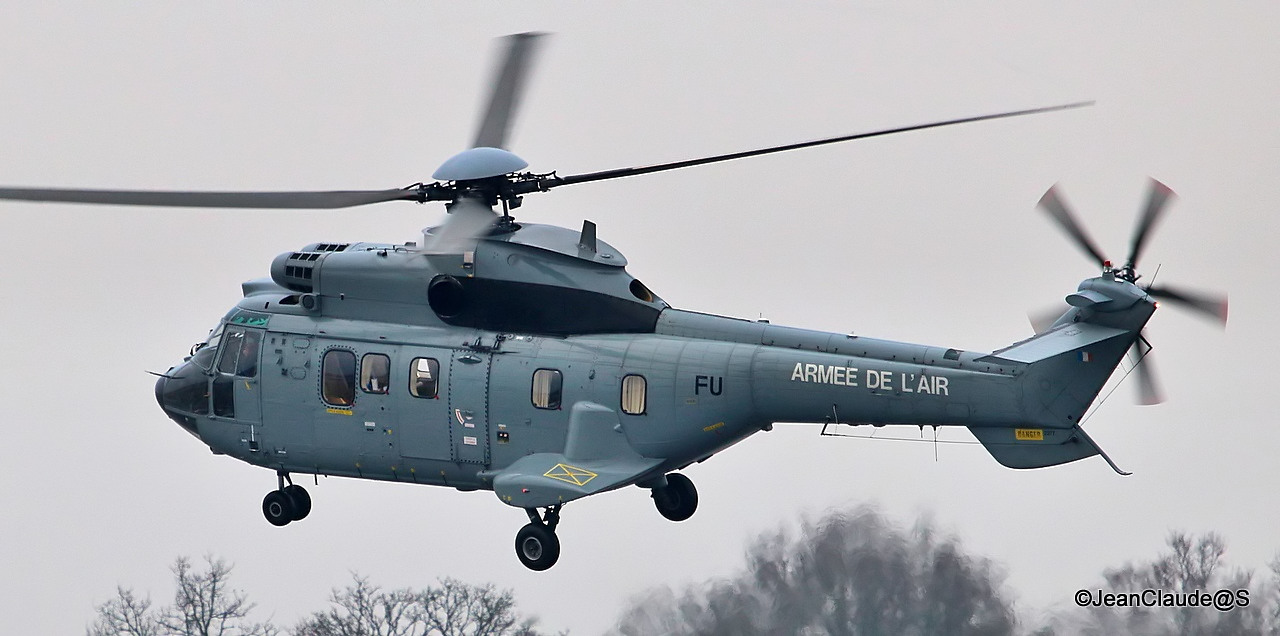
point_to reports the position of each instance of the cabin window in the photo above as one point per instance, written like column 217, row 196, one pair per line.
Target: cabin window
column 375, row 373
column 547, row 385
column 338, row 377
column 633, row 390
column 240, row 353
column 424, row 378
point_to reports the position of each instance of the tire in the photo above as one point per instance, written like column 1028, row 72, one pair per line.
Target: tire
column 678, row 500
column 277, row 507
column 537, row 547
column 301, row 501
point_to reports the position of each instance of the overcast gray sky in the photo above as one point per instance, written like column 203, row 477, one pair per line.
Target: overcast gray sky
column 927, row 237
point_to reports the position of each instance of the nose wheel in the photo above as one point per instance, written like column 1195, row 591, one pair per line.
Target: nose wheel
column 287, row 504
column 537, row 545
column 678, row 500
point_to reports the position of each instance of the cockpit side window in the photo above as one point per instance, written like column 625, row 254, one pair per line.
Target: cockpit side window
column 230, row 351
column 375, row 373
column 240, row 348
column 338, row 377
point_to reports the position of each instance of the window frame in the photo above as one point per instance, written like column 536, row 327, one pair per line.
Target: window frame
column 555, row 389
column 365, row 376
column 435, row 377
column 241, row 367
column 350, row 380
column 644, row 394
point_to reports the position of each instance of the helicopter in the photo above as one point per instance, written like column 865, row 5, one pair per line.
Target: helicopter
column 523, row 359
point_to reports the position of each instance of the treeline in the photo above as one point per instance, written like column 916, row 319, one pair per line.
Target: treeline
column 205, row 604
column 856, row 574
column 850, row 573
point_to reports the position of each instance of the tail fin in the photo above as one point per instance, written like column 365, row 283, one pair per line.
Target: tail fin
column 1067, row 366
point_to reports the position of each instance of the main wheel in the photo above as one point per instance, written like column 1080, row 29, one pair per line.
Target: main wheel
column 537, row 546
column 277, row 507
column 301, row 501
column 678, row 500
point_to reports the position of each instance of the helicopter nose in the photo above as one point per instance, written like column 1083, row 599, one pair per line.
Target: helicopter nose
column 182, row 394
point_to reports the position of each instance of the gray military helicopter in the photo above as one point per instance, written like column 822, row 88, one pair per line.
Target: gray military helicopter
column 524, row 359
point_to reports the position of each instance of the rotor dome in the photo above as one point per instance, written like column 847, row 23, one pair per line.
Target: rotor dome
column 479, row 163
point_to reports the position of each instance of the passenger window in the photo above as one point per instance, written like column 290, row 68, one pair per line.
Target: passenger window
column 338, row 377
column 424, row 378
column 547, row 385
column 633, row 390
column 375, row 372
column 240, row 353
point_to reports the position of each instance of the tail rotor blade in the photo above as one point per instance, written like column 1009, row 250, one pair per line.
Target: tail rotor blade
column 1211, row 306
column 1052, row 203
column 508, row 88
column 1156, row 202
column 1149, row 392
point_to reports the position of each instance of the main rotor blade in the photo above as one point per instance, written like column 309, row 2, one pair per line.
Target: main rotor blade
column 1043, row 318
column 1057, row 208
column 181, row 199
column 1156, row 202
column 660, row 167
column 1209, row 305
column 467, row 221
column 1149, row 392
column 508, row 88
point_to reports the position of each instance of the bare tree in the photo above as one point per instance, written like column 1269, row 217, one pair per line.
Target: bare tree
column 452, row 608
column 125, row 615
column 848, row 574
column 203, row 605
column 1190, row 566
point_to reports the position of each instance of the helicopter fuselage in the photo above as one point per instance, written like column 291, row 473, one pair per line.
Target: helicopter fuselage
column 296, row 381
column 535, row 366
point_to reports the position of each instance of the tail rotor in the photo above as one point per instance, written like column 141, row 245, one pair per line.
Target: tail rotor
column 1206, row 304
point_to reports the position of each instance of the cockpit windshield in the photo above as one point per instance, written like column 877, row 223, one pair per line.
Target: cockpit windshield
column 202, row 354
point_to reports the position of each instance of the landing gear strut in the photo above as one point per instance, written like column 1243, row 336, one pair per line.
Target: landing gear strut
column 287, row 503
column 677, row 500
column 536, row 544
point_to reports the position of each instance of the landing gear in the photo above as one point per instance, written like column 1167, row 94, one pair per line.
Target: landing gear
column 301, row 501
column 537, row 546
column 677, row 500
column 288, row 503
column 277, row 507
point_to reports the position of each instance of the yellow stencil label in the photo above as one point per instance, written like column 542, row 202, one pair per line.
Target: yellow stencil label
column 1028, row 434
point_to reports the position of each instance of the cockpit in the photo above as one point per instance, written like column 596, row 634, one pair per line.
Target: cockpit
column 184, row 392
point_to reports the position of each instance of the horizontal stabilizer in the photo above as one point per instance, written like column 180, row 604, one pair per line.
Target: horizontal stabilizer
column 1038, row 447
